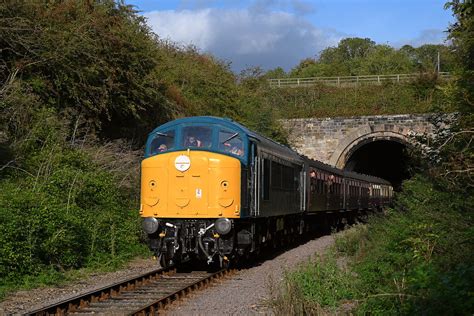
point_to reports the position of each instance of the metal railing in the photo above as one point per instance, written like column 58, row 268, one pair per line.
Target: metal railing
column 349, row 80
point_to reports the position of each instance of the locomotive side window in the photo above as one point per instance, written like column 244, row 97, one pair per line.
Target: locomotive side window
column 276, row 175
column 231, row 142
column 197, row 136
column 162, row 142
column 283, row 177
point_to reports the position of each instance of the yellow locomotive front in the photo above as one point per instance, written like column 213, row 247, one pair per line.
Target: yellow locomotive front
column 191, row 189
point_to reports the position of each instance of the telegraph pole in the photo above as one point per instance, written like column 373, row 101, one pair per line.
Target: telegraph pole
column 438, row 67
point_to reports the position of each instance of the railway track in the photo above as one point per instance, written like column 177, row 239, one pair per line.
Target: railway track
column 143, row 295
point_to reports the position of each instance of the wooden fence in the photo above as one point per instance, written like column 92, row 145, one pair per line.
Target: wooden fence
column 349, row 80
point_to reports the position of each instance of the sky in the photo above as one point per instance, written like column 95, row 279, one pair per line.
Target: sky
column 280, row 33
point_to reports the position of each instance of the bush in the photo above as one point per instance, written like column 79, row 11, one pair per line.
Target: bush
column 60, row 209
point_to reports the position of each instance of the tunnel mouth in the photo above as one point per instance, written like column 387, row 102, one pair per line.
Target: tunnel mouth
column 389, row 159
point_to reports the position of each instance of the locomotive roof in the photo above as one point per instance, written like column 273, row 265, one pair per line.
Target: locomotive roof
column 206, row 120
column 226, row 122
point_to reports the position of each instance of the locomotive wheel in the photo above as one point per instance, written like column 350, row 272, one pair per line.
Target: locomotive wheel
column 164, row 261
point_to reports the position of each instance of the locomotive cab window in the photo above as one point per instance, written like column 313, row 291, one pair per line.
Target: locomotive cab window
column 197, row 137
column 230, row 142
column 162, row 142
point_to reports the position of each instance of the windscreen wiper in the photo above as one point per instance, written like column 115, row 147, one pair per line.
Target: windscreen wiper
column 231, row 137
column 161, row 134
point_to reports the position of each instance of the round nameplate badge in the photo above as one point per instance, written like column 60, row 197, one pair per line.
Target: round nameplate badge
column 182, row 163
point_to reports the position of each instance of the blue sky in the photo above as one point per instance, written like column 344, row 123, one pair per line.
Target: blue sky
column 272, row 33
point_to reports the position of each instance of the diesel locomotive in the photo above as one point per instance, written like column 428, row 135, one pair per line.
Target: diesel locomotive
column 214, row 191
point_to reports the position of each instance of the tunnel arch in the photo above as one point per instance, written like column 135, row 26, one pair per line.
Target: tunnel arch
column 383, row 154
column 344, row 151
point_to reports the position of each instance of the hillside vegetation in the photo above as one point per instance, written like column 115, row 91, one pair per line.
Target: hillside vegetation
column 423, row 95
column 362, row 56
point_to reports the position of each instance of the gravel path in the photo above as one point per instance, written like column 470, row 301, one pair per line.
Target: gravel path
column 243, row 293
column 246, row 292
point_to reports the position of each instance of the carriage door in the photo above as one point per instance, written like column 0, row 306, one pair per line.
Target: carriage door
column 302, row 186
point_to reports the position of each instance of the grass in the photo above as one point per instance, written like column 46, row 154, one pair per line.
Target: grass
column 325, row 101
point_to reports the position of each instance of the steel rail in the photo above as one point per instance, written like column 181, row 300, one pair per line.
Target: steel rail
column 153, row 308
column 82, row 300
column 142, row 295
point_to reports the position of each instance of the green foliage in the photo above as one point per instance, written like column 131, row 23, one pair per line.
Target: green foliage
column 414, row 253
column 361, row 56
column 457, row 152
column 59, row 210
column 91, row 60
column 323, row 282
column 421, row 96
column 315, row 288
column 351, row 241
column 202, row 84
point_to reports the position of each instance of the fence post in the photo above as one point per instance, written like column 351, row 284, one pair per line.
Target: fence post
column 298, row 81
column 378, row 79
column 279, row 82
column 338, row 81
column 398, row 78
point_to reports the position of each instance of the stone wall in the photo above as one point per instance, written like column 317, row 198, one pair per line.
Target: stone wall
column 332, row 140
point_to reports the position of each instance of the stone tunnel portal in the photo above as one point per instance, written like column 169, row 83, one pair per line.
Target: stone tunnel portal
column 387, row 159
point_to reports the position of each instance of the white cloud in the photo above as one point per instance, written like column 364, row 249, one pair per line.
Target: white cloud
column 246, row 37
column 187, row 27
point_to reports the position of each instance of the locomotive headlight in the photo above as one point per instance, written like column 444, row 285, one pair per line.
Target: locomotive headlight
column 150, row 225
column 223, row 225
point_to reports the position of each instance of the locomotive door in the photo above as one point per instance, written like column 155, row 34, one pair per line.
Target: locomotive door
column 255, row 171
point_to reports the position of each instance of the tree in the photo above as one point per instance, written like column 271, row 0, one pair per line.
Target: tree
column 278, row 72
column 93, row 61
column 457, row 150
column 383, row 59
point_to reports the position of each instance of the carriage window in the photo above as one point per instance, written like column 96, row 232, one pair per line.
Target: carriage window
column 288, row 177
column 163, row 141
column 231, row 142
column 320, row 186
column 313, row 180
column 197, row 136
